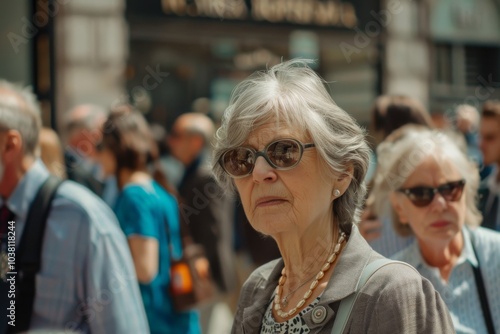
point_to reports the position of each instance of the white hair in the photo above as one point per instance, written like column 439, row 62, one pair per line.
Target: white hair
column 293, row 94
column 19, row 110
column 404, row 151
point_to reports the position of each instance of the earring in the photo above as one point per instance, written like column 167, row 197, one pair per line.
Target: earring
column 336, row 193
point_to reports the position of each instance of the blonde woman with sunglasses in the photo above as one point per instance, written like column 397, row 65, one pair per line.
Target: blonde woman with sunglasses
column 298, row 161
column 432, row 188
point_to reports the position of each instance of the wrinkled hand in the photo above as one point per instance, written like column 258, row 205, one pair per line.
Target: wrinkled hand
column 202, row 267
column 370, row 227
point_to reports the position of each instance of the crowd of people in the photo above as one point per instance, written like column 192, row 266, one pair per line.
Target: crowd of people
column 295, row 206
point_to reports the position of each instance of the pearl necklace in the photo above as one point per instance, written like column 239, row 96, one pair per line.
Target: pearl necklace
column 284, row 301
column 314, row 284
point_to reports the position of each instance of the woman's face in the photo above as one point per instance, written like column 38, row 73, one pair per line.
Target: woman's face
column 281, row 201
column 441, row 220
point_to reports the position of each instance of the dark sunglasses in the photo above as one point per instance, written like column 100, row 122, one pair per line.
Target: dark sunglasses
column 423, row 196
column 281, row 154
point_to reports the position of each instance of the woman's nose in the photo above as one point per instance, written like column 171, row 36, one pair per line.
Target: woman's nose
column 438, row 203
column 263, row 171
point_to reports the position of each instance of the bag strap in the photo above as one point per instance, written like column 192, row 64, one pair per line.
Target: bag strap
column 481, row 290
column 30, row 251
column 185, row 237
column 347, row 304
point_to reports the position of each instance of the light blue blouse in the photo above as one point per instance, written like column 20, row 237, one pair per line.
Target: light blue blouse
column 145, row 210
column 460, row 292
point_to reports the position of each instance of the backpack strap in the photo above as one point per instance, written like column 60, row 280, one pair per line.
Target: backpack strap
column 29, row 252
column 481, row 290
column 347, row 304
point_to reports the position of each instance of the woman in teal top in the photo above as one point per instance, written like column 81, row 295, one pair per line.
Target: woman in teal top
column 144, row 208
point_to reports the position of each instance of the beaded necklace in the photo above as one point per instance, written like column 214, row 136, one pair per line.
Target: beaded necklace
column 284, row 300
column 314, row 284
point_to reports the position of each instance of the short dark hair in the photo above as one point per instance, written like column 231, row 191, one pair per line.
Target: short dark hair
column 392, row 112
column 126, row 134
column 491, row 108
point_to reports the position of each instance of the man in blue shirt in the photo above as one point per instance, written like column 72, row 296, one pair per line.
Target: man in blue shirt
column 87, row 282
column 489, row 192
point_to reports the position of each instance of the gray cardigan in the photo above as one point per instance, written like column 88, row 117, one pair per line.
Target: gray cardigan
column 395, row 300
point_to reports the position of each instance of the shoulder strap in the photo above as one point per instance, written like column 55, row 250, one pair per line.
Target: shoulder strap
column 347, row 303
column 481, row 290
column 30, row 251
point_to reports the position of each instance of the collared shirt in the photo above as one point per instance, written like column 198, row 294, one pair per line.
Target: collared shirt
column 87, row 282
column 460, row 292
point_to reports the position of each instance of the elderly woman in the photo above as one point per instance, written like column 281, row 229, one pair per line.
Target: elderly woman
column 432, row 186
column 297, row 162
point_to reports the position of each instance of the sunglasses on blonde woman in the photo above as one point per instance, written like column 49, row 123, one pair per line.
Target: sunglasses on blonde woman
column 281, row 154
column 423, row 196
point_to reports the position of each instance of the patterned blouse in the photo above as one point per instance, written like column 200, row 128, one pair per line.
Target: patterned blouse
column 295, row 325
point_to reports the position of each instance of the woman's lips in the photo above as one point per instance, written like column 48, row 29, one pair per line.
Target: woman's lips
column 440, row 223
column 269, row 201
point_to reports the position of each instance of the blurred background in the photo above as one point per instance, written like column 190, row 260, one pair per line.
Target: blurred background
column 168, row 57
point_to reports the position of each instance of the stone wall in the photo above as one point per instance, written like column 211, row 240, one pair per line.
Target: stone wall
column 406, row 65
column 91, row 53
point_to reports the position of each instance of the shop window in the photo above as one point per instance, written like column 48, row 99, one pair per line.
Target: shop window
column 443, row 72
column 466, row 66
column 481, row 64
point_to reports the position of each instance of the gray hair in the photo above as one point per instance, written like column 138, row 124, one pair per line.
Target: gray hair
column 293, row 93
column 402, row 153
column 75, row 120
column 20, row 111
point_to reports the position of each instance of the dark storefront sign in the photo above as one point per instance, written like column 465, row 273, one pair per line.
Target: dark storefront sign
column 208, row 46
column 317, row 13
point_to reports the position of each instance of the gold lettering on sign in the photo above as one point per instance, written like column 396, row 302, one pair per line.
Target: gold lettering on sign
column 177, row 7
column 349, row 15
column 300, row 11
column 229, row 9
column 272, row 10
column 314, row 12
column 327, row 14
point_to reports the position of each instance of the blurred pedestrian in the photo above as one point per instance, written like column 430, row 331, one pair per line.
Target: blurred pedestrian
column 467, row 124
column 298, row 162
column 388, row 114
column 82, row 133
column 85, row 281
column 204, row 208
column 148, row 215
column 432, row 186
column 172, row 167
column 490, row 146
